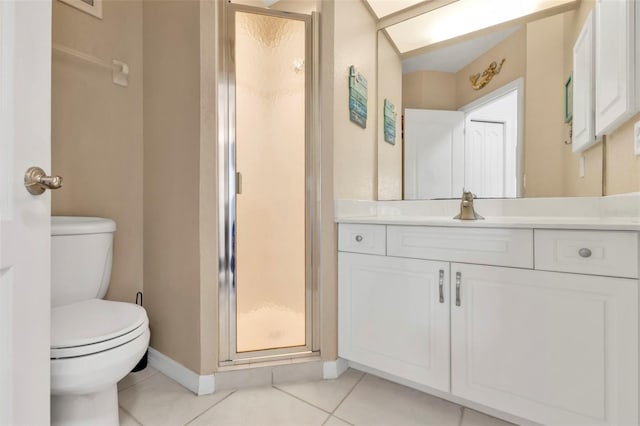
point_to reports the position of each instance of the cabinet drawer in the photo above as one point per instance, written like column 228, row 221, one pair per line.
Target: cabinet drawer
column 357, row 238
column 610, row 253
column 501, row 247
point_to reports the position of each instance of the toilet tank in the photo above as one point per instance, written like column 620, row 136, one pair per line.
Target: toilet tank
column 81, row 257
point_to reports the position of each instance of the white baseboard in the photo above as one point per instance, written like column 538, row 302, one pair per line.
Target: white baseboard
column 200, row 385
column 334, row 369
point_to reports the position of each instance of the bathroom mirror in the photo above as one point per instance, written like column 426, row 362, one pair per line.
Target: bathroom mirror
column 509, row 138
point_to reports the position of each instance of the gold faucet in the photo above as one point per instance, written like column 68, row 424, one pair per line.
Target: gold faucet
column 467, row 212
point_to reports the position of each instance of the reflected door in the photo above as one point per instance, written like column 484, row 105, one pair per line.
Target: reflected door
column 433, row 154
column 484, row 159
column 270, row 55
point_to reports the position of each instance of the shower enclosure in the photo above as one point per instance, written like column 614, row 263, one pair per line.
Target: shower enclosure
column 268, row 175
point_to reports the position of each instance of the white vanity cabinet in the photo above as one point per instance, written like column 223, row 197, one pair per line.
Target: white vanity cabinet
column 552, row 347
column 616, row 63
column 394, row 316
column 541, row 324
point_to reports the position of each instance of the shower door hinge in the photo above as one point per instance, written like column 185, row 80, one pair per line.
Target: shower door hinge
column 238, row 183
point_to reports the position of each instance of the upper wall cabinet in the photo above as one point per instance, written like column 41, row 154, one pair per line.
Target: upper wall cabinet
column 615, row 64
column 583, row 93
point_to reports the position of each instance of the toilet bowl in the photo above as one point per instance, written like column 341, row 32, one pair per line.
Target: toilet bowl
column 94, row 342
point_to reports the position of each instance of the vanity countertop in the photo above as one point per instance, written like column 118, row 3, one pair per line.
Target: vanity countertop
column 540, row 222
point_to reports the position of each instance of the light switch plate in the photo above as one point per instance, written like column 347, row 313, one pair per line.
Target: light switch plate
column 636, row 138
column 581, row 166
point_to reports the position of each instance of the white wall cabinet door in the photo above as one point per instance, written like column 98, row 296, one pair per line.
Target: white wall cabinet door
column 583, row 91
column 394, row 316
column 615, row 70
column 555, row 348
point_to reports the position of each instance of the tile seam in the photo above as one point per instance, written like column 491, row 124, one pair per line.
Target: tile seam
column 209, row 408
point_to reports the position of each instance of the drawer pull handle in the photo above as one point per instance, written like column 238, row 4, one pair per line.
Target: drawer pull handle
column 584, row 252
column 441, row 285
column 359, row 238
column 458, row 283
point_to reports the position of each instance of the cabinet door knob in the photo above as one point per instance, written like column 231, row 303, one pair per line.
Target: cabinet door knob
column 584, row 252
column 458, row 283
column 441, row 285
column 359, row 238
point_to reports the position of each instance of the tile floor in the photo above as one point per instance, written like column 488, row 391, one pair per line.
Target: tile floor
column 150, row 398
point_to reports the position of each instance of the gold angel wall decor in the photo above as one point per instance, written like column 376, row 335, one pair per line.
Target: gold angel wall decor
column 478, row 81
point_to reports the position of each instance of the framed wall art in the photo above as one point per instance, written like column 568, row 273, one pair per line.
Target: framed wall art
column 92, row 7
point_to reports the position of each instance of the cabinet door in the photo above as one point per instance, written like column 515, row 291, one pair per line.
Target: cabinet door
column 615, row 63
column 555, row 348
column 394, row 316
column 583, row 92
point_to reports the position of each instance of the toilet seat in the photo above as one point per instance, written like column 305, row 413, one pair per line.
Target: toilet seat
column 93, row 326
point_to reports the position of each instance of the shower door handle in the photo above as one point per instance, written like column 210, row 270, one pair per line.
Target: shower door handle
column 238, row 183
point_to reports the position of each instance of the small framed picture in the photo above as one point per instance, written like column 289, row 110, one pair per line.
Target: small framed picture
column 568, row 99
column 92, row 7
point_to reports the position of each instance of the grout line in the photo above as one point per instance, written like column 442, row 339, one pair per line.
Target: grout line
column 461, row 415
column 348, row 393
column 326, row 420
column 209, row 408
column 139, row 382
column 343, row 420
column 300, row 399
column 130, row 415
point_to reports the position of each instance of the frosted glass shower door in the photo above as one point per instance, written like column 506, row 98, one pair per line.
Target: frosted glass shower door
column 271, row 161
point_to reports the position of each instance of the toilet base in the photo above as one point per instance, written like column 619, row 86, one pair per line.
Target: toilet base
column 96, row 409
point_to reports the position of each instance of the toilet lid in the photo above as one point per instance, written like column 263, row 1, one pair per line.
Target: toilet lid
column 94, row 325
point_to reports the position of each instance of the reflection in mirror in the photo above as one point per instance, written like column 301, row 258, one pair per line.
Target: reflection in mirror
column 507, row 139
column 477, row 147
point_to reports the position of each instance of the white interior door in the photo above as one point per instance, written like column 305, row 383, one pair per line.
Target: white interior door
column 25, row 93
column 433, row 154
column 484, row 159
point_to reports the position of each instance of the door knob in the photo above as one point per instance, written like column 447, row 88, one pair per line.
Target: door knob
column 36, row 181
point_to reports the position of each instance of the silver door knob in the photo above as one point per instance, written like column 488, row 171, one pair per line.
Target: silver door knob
column 36, row 181
column 359, row 238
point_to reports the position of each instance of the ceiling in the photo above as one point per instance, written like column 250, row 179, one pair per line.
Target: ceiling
column 458, row 19
column 384, row 8
column 455, row 57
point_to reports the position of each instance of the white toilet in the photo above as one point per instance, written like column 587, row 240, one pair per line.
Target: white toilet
column 94, row 342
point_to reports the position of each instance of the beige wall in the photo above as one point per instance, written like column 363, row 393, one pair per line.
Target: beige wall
column 513, row 49
column 355, row 149
column 544, row 108
column 429, row 90
column 622, row 165
column 208, row 212
column 328, row 275
column 96, row 138
column 171, row 177
column 389, row 87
